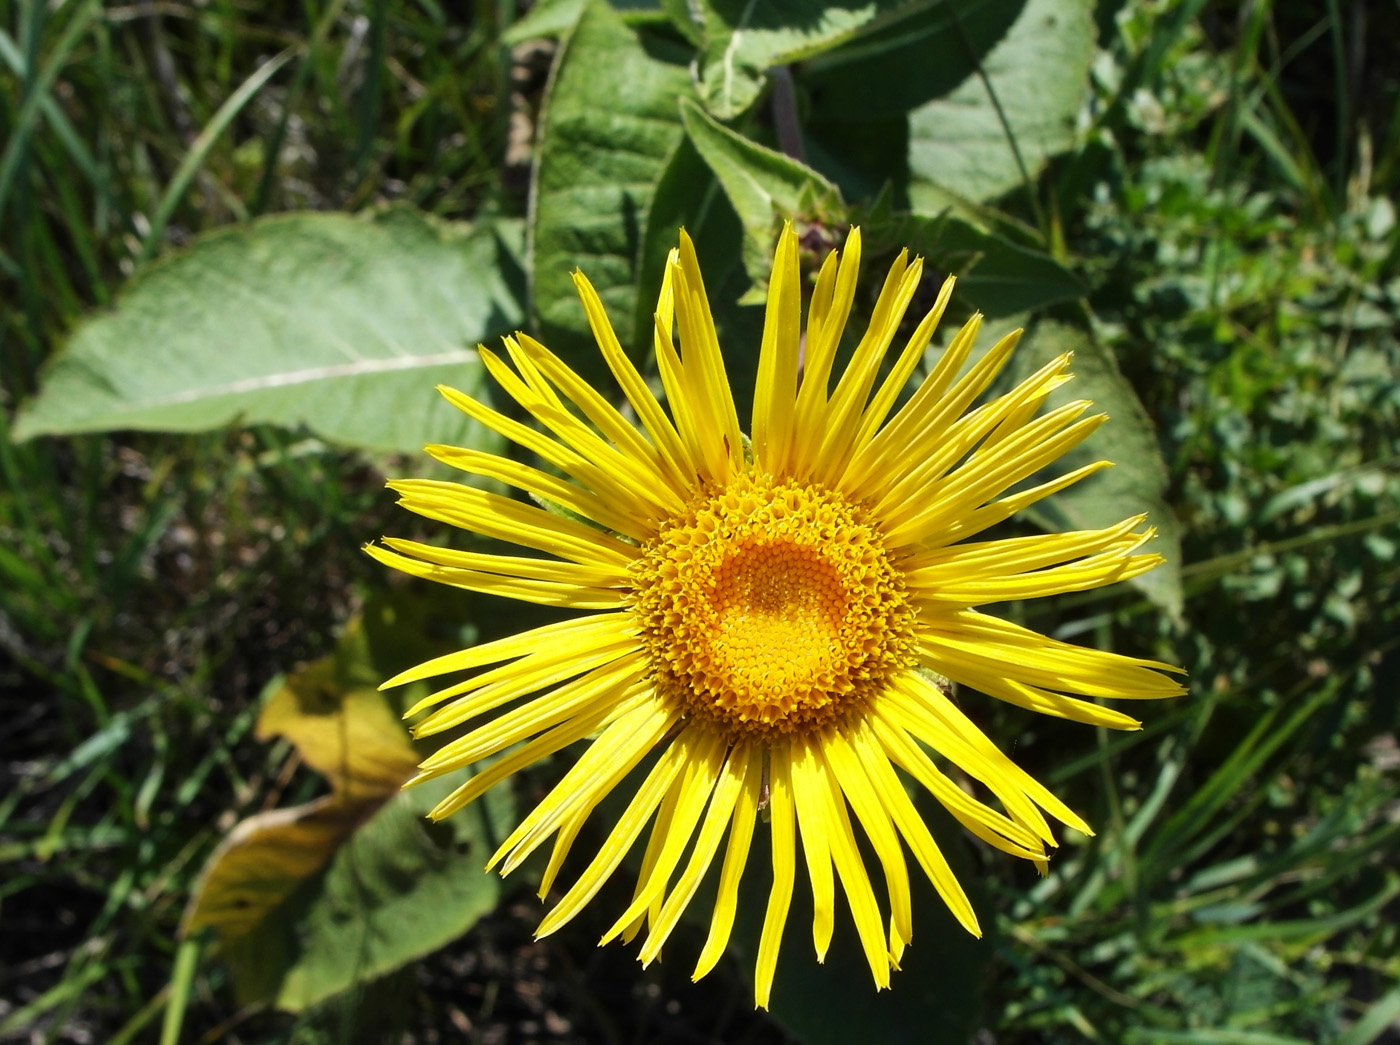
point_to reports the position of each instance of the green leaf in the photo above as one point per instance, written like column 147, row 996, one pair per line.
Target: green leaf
column 743, row 39
column 351, row 737
column 905, row 62
column 608, row 128
column 346, row 732
column 546, row 19
column 263, row 861
column 401, row 887
column 765, row 187
column 339, row 323
column 1137, row 482
column 986, row 136
column 997, row 276
column 865, row 158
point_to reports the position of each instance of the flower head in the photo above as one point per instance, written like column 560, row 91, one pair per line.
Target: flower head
column 765, row 623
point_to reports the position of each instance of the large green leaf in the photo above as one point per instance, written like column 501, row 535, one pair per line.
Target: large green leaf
column 609, row 126
column 1137, row 482
column 858, row 97
column 907, row 62
column 743, row 39
column 1013, row 107
column 339, row 323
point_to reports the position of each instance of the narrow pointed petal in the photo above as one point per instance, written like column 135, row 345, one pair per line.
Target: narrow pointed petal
column 774, row 401
column 626, row 831
column 698, row 778
column 809, row 797
column 736, row 855
column 728, row 791
column 855, row 880
column 874, row 816
column 784, row 870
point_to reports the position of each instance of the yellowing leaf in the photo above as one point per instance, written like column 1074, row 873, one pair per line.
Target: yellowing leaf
column 348, row 735
column 263, row 859
column 351, row 737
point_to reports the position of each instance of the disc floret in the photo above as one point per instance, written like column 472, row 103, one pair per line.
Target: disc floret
column 771, row 606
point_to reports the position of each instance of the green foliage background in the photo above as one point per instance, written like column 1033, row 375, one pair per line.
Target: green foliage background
column 240, row 243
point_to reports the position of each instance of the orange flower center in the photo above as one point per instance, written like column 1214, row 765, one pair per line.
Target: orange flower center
column 770, row 607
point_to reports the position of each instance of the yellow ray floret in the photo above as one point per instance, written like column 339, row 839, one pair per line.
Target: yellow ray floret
column 771, row 627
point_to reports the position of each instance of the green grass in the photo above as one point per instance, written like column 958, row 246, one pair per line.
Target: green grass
column 1231, row 215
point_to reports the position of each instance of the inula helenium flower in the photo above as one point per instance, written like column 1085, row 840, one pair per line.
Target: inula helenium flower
column 766, row 620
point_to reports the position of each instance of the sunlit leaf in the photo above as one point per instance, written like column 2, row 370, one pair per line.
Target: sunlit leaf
column 263, row 860
column 743, row 39
column 311, row 900
column 1015, row 108
column 352, row 738
column 338, row 323
column 397, row 888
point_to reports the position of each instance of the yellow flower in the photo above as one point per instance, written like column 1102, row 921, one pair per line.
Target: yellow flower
column 764, row 620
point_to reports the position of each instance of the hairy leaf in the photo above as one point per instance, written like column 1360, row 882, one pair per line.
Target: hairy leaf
column 338, row 323
column 763, row 186
column 1014, row 106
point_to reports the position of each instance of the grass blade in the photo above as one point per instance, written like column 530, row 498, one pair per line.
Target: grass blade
column 199, row 150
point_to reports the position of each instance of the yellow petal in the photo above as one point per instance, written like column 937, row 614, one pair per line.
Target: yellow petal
column 698, row 778
column 536, row 750
column 784, row 869
column 678, row 461
column 775, row 393
column 727, row 793
column 736, row 855
column 567, row 636
column 890, row 796
column 714, row 405
column 612, row 756
column 809, row 797
column 874, row 816
column 679, row 755
column 491, row 515
column 855, row 879
column 580, row 697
